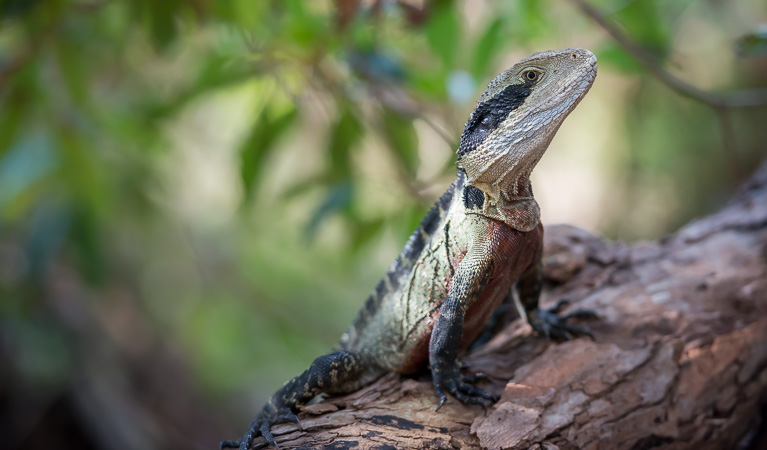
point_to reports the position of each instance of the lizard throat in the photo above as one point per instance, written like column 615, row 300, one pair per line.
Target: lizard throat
column 516, row 206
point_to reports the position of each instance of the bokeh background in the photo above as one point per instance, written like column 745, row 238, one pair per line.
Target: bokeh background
column 196, row 196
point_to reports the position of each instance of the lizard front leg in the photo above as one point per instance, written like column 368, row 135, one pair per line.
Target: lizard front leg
column 335, row 373
column 471, row 277
column 546, row 321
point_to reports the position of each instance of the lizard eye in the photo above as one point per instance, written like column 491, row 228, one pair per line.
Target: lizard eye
column 531, row 76
column 486, row 124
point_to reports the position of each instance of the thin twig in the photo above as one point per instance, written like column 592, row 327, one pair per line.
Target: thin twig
column 735, row 99
column 437, row 129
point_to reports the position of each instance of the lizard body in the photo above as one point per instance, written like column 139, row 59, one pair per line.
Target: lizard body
column 479, row 239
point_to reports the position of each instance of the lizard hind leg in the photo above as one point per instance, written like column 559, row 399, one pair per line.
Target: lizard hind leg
column 547, row 321
column 334, row 373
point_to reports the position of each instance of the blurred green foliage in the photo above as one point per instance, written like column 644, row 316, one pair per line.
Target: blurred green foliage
column 225, row 180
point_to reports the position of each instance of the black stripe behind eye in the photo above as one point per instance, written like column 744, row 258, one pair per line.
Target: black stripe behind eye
column 498, row 108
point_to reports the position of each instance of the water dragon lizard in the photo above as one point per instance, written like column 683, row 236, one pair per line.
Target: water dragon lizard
column 482, row 238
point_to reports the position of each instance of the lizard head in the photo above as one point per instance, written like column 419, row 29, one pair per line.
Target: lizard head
column 517, row 116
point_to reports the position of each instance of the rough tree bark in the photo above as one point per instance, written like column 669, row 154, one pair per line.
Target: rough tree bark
column 679, row 359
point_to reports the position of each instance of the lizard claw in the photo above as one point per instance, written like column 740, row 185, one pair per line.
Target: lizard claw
column 442, row 400
column 453, row 382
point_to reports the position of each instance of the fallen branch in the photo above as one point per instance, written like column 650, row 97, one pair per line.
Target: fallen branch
column 679, row 360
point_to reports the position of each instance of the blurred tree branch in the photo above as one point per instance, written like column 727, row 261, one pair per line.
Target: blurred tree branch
column 735, row 99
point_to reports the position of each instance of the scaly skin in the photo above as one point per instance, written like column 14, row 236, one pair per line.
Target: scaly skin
column 481, row 237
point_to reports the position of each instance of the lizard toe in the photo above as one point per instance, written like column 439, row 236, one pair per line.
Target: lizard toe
column 581, row 314
column 266, row 431
column 479, row 376
column 551, row 325
column 286, row 415
column 454, row 383
column 259, row 427
column 562, row 303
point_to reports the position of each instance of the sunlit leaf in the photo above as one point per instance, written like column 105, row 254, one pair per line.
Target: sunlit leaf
column 245, row 13
column 303, row 27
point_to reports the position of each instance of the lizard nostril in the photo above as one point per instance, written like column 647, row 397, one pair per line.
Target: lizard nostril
column 574, row 56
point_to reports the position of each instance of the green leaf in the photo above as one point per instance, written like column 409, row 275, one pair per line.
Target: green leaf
column 645, row 24
column 304, row 28
column 345, row 134
column 443, row 33
column 430, row 82
column 535, row 21
column 88, row 186
column 270, row 125
column 86, row 235
column 486, row 48
column 366, row 231
column 245, row 13
column 10, row 123
column 612, row 54
column 528, row 21
column 216, row 72
column 338, row 198
column 70, row 60
column 10, row 9
column 160, row 20
column 402, row 138
column 753, row 44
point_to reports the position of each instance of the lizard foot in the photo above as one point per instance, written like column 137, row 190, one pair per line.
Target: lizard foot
column 458, row 385
column 548, row 322
column 262, row 426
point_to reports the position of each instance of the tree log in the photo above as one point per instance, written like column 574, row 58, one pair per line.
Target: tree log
column 679, row 358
